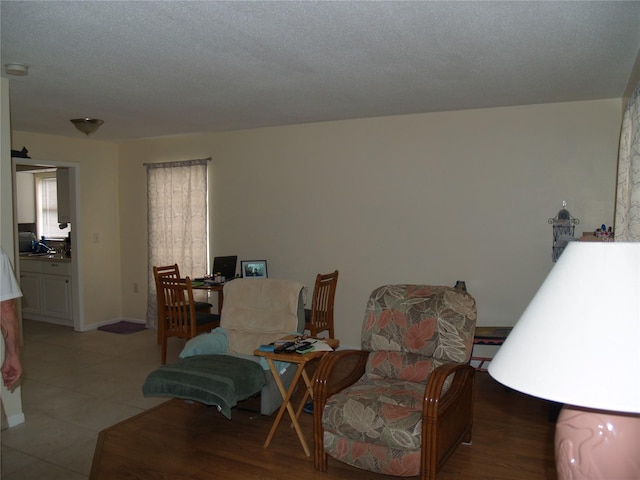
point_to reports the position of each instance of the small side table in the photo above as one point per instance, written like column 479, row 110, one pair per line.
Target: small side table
column 489, row 336
column 300, row 360
column 213, row 288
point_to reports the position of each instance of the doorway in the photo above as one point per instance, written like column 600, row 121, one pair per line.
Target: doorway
column 27, row 164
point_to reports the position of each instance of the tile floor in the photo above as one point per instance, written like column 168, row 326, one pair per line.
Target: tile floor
column 73, row 386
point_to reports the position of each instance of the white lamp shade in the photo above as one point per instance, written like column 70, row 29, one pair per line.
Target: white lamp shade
column 578, row 341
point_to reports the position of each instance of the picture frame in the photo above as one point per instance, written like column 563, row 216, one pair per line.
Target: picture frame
column 254, row 269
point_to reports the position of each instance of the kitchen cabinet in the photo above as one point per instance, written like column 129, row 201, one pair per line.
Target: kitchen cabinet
column 46, row 290
column 30, row 286
column 64, row 197
column 26, row 197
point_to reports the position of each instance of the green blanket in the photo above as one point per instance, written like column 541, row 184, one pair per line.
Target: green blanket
column 221, row 380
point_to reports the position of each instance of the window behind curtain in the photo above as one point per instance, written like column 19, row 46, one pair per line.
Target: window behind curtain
column 177, row 221
column 47, row 206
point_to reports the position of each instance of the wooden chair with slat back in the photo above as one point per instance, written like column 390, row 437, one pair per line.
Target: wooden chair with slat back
column 171, row 271
column 168, row 271
column 181, row 318
column 320, row 317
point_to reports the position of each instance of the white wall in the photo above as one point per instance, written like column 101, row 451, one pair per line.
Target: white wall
column 634, row 78
column 430, row 198
column 6, row 190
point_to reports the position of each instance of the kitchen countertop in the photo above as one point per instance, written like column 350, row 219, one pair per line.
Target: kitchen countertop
column 58, row 257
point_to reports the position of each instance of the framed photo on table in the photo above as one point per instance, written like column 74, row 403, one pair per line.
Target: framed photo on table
column 254, row 268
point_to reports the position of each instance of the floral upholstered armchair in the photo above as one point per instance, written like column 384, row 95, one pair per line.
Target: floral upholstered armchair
column 402, row 404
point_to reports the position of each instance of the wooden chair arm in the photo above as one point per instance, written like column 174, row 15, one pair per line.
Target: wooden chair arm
column 337, row 370
column 447, row 416
column 434, row 397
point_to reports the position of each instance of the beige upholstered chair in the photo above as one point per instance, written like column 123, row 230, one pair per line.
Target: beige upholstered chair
column 220, row 368
column 402, row 404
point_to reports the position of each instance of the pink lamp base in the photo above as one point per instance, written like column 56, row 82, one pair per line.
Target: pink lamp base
column 597, row 445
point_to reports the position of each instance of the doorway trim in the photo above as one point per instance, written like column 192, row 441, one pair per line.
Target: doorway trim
column 74, row 191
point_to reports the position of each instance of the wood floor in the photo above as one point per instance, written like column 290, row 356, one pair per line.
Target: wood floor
column 512, row 440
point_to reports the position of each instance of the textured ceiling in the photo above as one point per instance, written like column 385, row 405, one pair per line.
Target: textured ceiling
column 170, row 67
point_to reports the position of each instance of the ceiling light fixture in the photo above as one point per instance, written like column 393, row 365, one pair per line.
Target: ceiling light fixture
column 87, row 125
column 16, row 69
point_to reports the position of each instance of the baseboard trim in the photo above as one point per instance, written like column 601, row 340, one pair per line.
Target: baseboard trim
column 14, row 420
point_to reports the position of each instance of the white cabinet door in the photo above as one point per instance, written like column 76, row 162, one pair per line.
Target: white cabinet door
column 55, row 268
column 46, row 290
column 64, row 198
column 25, row 197
column 33, row 266
column 56, row 299
column 30, row 286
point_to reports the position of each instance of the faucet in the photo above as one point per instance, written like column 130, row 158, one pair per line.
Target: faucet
column 44, row 248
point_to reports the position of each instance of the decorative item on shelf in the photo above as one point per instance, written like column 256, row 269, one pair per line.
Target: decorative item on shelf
column 461, row 285
column 24, row 153
column 604, row 234
column 563, row 227
column 254, row 268
column 591, row 358
column 87, row 125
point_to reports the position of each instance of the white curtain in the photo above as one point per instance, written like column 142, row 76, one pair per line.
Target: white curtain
column 627, row 222
column 177, row 221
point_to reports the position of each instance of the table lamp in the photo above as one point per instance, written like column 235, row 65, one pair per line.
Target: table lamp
column 578, row 343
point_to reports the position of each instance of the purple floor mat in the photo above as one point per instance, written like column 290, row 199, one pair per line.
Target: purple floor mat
column 123, row 327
